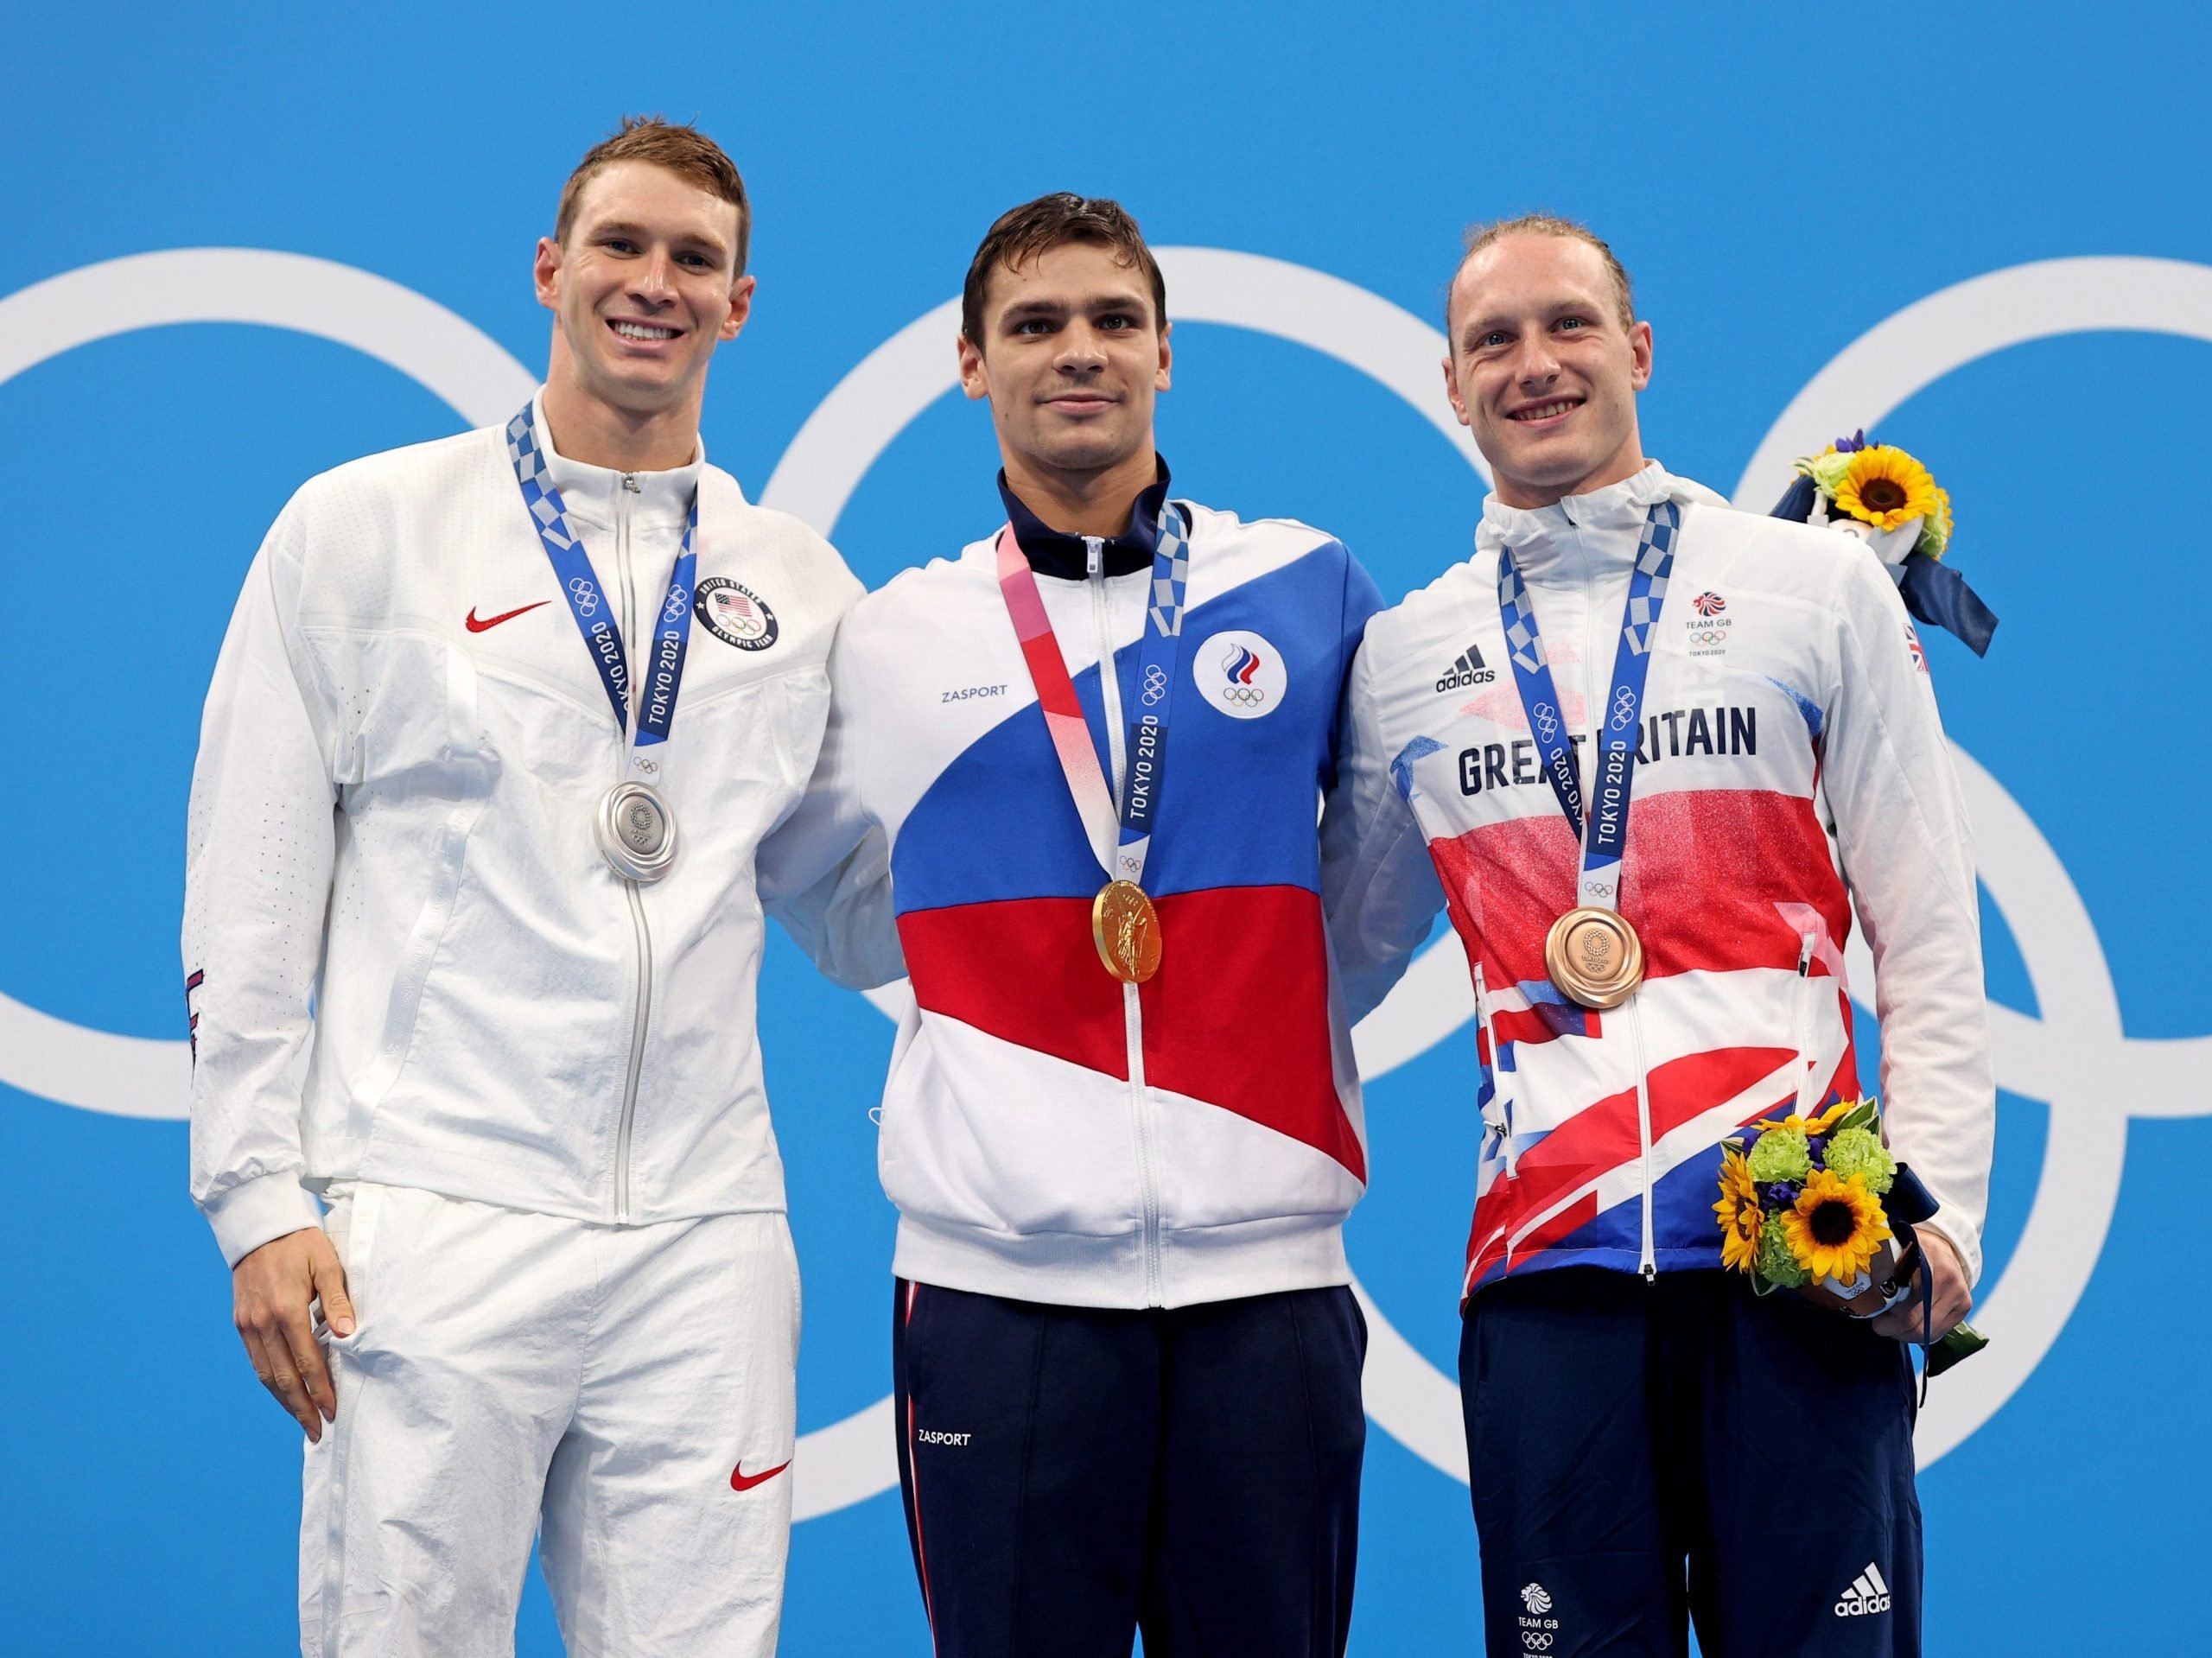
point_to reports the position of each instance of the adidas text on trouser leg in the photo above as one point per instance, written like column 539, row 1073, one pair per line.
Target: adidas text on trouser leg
column 1648, row 1455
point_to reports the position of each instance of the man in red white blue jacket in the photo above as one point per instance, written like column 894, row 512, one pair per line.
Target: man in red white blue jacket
column 1650, row 1443
column 1123, row 1122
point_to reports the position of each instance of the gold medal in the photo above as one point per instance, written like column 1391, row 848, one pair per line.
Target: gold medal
column 1594, row 956
column 1126, row 928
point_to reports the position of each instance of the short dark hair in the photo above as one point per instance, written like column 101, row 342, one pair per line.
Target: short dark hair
column 1482, row 235
column 677, row 145
column 1020, row 234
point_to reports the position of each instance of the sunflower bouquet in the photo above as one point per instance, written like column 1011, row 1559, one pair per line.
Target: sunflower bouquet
column 1820, row 1205
column 1803, row 1203
column 1889, row 500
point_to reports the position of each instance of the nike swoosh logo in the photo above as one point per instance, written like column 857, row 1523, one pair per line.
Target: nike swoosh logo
column 476, row 626
column 741, row 1481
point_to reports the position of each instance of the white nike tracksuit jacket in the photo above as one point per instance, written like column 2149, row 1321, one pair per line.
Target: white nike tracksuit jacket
column 416, row 987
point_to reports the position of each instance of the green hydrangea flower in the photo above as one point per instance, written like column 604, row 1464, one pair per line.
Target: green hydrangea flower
column 1859, row 1152
column 1780, row 1154
column 1827, row 471
column 1775, row 1264
column 1936, row 532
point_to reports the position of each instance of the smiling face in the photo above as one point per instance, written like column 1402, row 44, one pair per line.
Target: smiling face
column 645, row 286
column 1072, row 353
column 1544, row 371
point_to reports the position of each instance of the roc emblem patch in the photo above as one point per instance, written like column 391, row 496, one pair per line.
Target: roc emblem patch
column 734, row 614
column 1241, row 673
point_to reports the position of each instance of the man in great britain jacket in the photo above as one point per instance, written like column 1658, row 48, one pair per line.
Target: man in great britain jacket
column 1122, row 1124
column 476, row 967
column 1650, row 1441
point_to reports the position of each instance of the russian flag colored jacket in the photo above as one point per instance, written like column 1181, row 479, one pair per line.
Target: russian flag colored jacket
column 1791, row 762
column 1049, row 1133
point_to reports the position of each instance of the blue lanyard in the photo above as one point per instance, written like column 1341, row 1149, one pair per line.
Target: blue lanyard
column 1159, row 671
column 1618, row 720
column 588, row 603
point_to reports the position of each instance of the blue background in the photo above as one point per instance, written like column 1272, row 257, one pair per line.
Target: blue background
column 1776, row 184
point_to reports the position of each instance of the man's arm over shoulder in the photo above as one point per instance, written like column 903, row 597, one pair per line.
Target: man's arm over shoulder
column 1379, row 890
column 1907, row 855
column 824, row 873
column 259, row 846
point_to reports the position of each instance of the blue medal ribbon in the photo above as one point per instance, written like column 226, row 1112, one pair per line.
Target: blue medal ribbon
column 1618, row 720
column 1159, row 671
column 594, row 611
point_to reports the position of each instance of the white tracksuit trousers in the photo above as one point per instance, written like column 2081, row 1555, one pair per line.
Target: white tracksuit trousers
column 625, row 1388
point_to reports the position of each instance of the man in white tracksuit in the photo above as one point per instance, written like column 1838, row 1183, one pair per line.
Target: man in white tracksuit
column 471, row 943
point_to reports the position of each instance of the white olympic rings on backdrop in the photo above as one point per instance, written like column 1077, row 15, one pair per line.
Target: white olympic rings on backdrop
column 129, row 1076
column 2076, row 1056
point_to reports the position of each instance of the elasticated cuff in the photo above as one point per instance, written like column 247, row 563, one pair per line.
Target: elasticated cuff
column 249, row 1215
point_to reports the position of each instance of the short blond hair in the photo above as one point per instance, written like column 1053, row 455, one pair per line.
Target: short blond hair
column 1482, row 235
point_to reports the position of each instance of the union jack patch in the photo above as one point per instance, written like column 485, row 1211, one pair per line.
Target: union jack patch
column 1912, row 643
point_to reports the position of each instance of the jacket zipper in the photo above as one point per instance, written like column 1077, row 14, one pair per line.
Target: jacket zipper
column 1503, row 1121
column 1598, row 660
column 1109, row 689
column 641, row 932
column 1807, row 1058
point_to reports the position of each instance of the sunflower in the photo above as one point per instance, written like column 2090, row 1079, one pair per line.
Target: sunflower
column 1884, row 486
column 1810, row 1126
column 1836, row 1227
column 1740, row 1215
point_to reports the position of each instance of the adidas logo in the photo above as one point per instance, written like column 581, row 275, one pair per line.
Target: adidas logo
column 1867, row 1595
column 1467, row 670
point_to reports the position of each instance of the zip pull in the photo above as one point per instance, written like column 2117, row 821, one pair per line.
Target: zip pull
column 629, row 482
column 1651, row 1271
column 1093, row 549
column 1806, row 1058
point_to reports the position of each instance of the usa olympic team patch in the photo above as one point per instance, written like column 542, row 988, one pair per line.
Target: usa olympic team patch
column 734, row 614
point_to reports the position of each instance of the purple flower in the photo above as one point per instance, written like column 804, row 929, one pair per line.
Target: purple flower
column 1853, row 444
column 1777, row 1194
column 1818, row 1145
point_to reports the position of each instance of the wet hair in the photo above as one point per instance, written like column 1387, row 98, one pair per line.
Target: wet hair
column 1022, row 234
column 1484, row 235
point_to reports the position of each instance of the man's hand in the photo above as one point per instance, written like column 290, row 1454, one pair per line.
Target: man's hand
column 270, row 1291
column 1952, row 1299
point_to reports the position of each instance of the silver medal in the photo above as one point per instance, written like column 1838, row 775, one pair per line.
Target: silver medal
column 636, row 832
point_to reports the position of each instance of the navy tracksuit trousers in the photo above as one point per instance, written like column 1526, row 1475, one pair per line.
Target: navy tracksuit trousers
column 1645, row 1455
column 1073, row 1475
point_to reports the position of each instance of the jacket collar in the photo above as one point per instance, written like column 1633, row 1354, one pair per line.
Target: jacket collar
column 1054, row 552
column 1590, row 534
column 588, row 492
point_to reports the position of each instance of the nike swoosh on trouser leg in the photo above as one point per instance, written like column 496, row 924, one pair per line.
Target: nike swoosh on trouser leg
column 741, row 1481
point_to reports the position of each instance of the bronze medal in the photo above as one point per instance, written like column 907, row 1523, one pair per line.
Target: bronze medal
column 1594, row 956
column 1126, row 928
